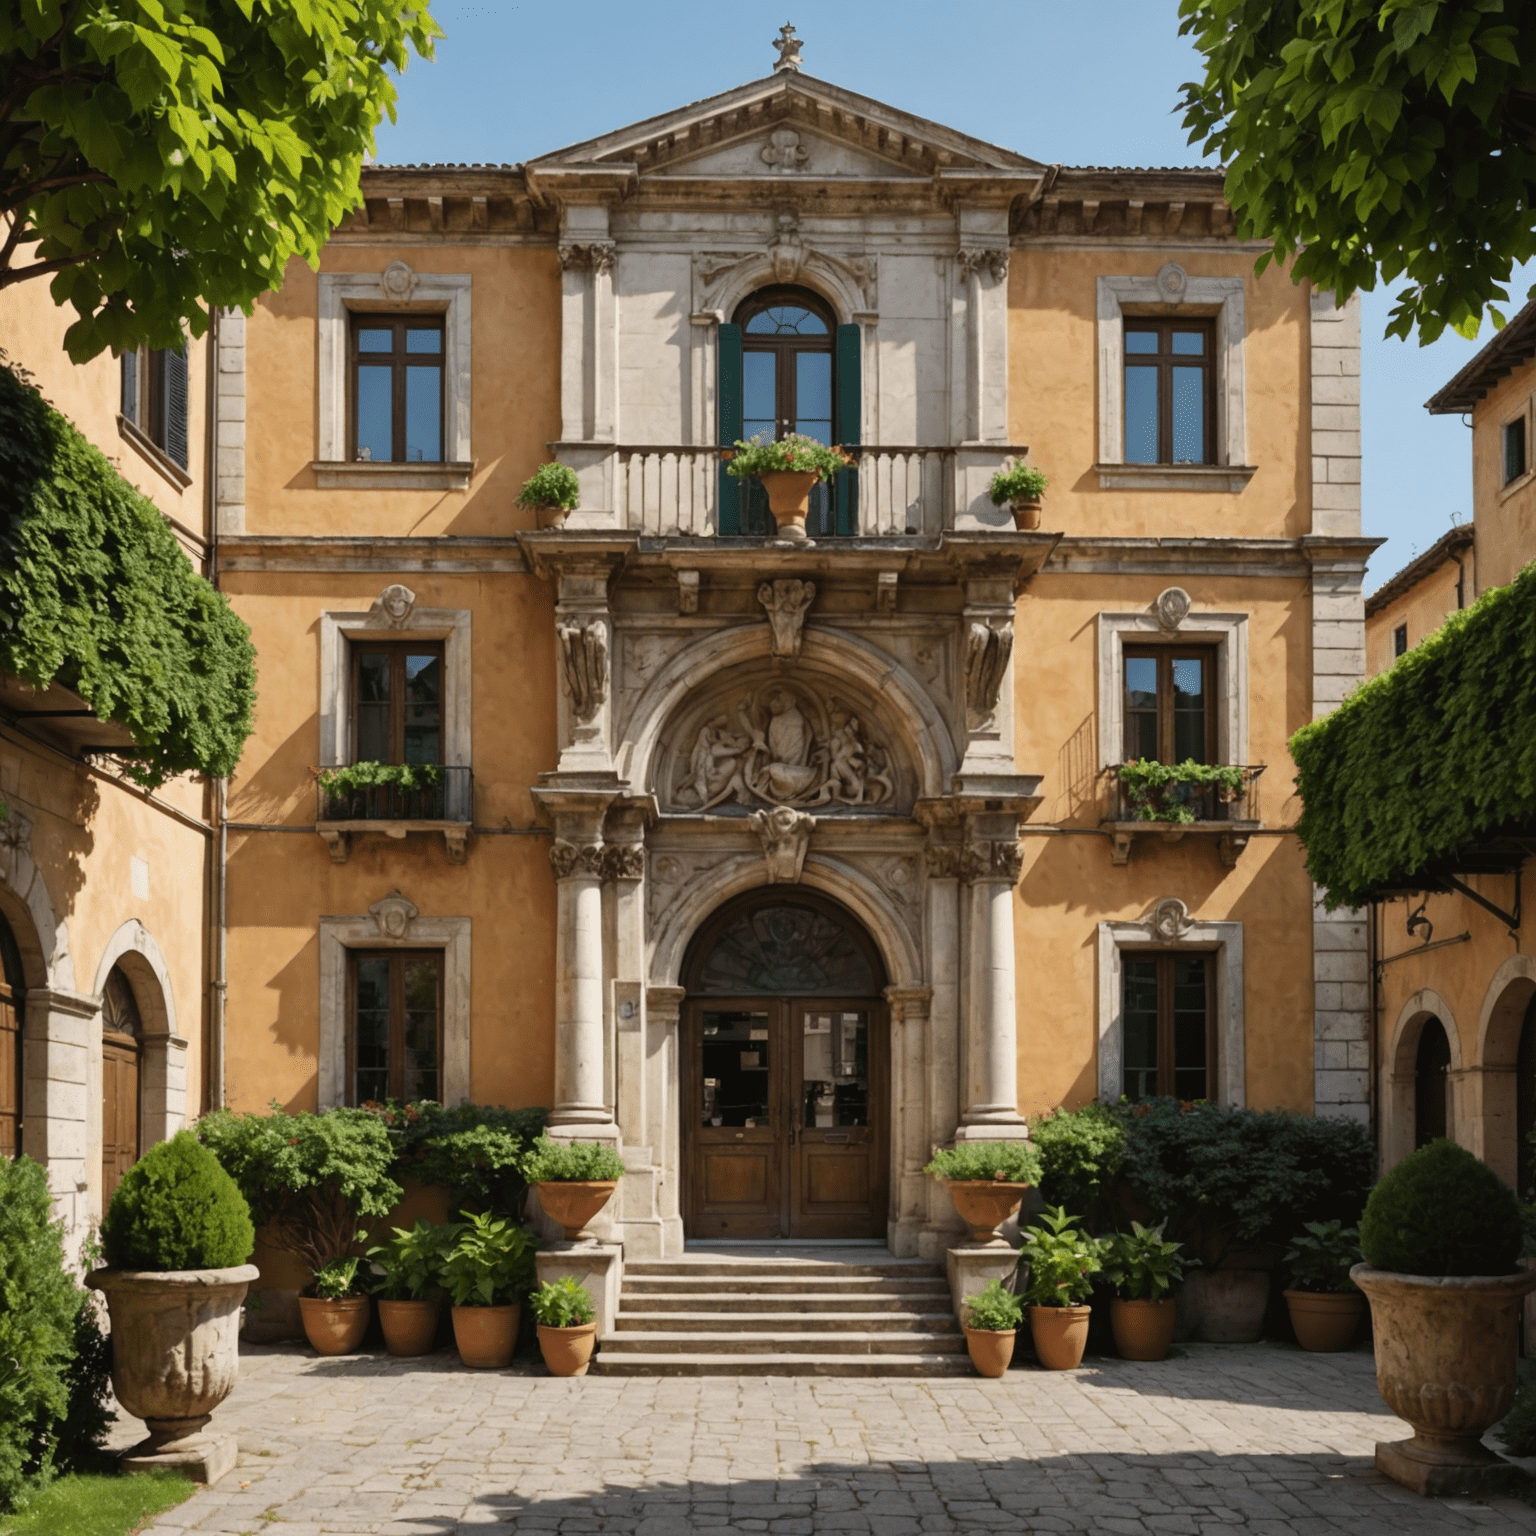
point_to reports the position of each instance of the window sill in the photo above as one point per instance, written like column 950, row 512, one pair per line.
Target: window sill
column 342, row 475
column 1519, row 483
column 158, row 458
column 338, row 835
column 1230, row 478
column 1230, row 837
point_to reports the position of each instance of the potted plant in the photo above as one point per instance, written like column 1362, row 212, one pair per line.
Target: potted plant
column 1143, row 1266
column 552, row 491
column 370, row 788
column 1062, row 1262
column 1020, row 488
column 1179, row 792
column 1325, row 1303
column 487, row 1265
column 575, row 1180
column 336, row 1307
column 176, row 1239
column 1441, row 1236
column 987, row 1180
column 567, row 1334
column 991, row 1320
column 406, row 1269
column 789, row 469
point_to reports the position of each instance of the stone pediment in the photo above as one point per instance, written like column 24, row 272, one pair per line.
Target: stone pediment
column 788, row 151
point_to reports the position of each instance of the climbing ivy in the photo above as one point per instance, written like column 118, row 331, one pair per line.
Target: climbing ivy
column 1434, row 755
column 96, row 594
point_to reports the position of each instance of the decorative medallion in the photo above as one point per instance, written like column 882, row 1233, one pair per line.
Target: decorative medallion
column 1172, row 608
column 1170, row 919
column 1172, row 282
column 394, row 606
column 394, row 915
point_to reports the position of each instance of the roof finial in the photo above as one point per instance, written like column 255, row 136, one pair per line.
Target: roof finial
column 789, row 49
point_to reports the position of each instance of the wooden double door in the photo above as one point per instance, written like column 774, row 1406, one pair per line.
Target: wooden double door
column 786, row 1117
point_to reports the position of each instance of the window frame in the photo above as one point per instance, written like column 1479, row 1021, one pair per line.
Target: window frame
column 1165, row 655
column 398, row 958
column 1400, row 640
column 399, row 365
column 1512, row 431
column 1163, row 362
column 1167, row 1060
column 148, row 403
column 398, row 650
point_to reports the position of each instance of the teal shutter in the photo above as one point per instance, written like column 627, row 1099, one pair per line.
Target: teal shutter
column 847, row 410
column 728, row 395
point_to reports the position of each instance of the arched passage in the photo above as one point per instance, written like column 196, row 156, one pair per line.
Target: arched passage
column 1422, row 1060
column 1506, row 1072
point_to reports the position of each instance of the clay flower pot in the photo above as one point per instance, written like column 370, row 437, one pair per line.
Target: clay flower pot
column 334, row 1327
column 1143, row 1329
column 550, row 517
column 1325, row 1321
column 175, row 1358
column 1445, row 1362
column 789, row 499
column 984, row 1205
column 574, row 1202
column 1060, row 1335
column 1227, row 1305
column 991, row 1350
column 568, row 1351
column 1026, row 513
column 487, row 1336
column 409, row 1326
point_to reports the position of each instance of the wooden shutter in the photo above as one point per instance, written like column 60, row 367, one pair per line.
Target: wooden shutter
column 10, row 1076
column 174, row 372
column 728, row 391
column 847, row 411
column 131, row 387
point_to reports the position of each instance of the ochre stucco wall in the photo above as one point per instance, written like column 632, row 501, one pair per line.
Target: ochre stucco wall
column 1505, row 515
column 1423, row 608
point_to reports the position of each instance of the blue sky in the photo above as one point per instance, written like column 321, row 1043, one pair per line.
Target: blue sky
column 1093, row 82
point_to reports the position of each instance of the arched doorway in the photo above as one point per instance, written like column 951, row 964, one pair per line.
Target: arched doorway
column 12, row 1012
column 1431, row 1084
column 786, row 1096
column 1525, row 1103
column 122, row 1036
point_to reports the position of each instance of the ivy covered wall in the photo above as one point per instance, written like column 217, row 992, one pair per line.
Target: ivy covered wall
column 97, row 594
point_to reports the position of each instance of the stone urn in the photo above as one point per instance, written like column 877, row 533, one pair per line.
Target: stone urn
column 789, row 499
column 574, row 1202
column 1445, row 1362
column 175, row 1358
column 550, row 517
column 1026, row 513
column 984, row 1205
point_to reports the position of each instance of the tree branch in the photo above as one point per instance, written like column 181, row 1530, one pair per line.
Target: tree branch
column 43, row 268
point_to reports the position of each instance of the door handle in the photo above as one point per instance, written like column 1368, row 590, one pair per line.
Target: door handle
column 794, row 1123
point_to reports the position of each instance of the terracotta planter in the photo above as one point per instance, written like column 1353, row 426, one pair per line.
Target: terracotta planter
column 1143, row 1329
column 334, row 1327
column 568, row 1351
column 550, row 517
column 574, row 1203
column 991, row 1350
column 1325, row 1321
column 175, row 1358
column 984, row 1205
column 1060, row 1335
column 1026, row 514
column 1227, row 1305
column 409, row 1326
column 1445, row 1362
column 487, row 1336
column 789, row 499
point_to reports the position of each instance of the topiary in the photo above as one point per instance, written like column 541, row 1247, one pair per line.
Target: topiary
column 177, row 1209
column 1442, row 1212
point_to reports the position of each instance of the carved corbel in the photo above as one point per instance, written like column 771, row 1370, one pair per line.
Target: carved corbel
column 584, row 665
column 456, row 841
column 885, row 591
column 687, row 591
column 786, row 251
column 786, row 602
column 786, row 835
column 988, row 650
column 337, row 842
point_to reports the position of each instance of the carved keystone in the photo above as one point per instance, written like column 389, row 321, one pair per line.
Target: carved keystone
column 785, row 835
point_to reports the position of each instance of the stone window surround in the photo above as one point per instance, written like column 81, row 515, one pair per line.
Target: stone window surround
column 1229, row 634
column 338, row 629
column 338, row 935
column 1221, row 297
column 1225, row 941
column 397, row 290
column 1522, row 412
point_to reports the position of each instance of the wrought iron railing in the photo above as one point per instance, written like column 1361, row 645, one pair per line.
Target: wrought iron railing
column 451, row 798
column 1180, row 802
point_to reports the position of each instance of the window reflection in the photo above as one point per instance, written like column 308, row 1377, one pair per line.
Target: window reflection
column 835, row 1070
column 735, row 1069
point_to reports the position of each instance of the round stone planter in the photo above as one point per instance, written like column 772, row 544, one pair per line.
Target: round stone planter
column 1060, row 1335
column 1143, row 1329
column 984, row 1205
column 789, row 499
column 1445, row 1362
column 1227, row 1305
column 573, row 1203
column 487, row 1336
column 991, row 1350
column 568, row 1351
column 550, row 517
column 175, row 1358
column 409, row 1326
column 1325, row 1321
column 335, row 1327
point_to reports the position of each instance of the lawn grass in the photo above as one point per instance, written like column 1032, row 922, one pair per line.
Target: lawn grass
column 92, row 1504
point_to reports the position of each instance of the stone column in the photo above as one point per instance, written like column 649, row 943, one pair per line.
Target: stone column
column 59, row 1030
column 663, row 1012
column 909, row 1028
column 945, row 865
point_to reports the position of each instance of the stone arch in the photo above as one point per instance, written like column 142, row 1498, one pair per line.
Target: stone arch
column 1498, row 1045
column 1399, row 1074
column 823, row 275
column 42, row 938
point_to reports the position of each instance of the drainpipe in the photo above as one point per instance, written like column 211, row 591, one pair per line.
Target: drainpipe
column 1461, row 582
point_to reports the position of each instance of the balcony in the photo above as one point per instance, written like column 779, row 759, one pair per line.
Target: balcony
column 448, row 806
column 1173, row 811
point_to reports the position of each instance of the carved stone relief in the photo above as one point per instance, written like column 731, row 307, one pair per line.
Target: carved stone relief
column 899, row 878
column 1170, row 919
column 393, row 606
column 995, row 859
column 567, row 859
column 988, row 648
column 673, row 873
column 623, row 861
column 584, row 665
column 785, row 835
column 787, row 603
column 397, row 282
column 394, row 915
column 591, row 256
column 976, row 259
column 1172, row 608
column 784, row 151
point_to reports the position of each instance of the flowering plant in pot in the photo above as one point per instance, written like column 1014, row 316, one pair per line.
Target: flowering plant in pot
column 789, row 469
column 1325, row 1304
column 575, row 1180
column 1020, row 489
column 553, row 492
column 406, row 1270
column 487, row 1264
column 1143, row 1266
column 176, row 1239
column 1062, row 1261
column 336, row 1307
column 567, row 1333
column 991, row 1319
column 987, row 1180
column 1441, row 1236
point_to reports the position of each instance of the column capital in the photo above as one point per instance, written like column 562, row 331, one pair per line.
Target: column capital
column 664, row 1005
column 573, row 859
column 909, row 1003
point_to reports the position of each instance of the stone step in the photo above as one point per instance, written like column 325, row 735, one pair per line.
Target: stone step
column 849, row 1342
column 725, row 1268
column 781, row 1285
column 819, row 1300
column 786, row 1364
column 770, row 1322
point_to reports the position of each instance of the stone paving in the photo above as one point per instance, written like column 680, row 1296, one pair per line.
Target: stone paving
column 1260, row 1438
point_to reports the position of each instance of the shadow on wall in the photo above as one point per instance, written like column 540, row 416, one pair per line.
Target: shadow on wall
column 1077, row 775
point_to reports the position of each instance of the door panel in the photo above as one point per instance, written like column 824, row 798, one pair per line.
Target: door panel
column 736, row 1115
column 119, row 1111
column 10, row 1077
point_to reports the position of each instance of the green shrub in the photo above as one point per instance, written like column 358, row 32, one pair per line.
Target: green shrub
column 995, row 1309
column 487, row 1261
column 562, row 1303
column 1142, row 1264
column 176, row 1208
column 1062, row 1260
column 566, row 1162
column 1321, row 1256
column 1518, row 1428
column 1080, row 1152
column 1021, row 483
column 476, row 1150
column 551, row 485
column 1442, row 1211
column 408, row 1265
column 1004, row 1162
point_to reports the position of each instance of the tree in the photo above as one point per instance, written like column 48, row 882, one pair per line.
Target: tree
column 161, row 156
column 1390, row 136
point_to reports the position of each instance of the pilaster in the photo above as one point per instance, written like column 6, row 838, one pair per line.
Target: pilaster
column 909, row 1034
column 60, row 1028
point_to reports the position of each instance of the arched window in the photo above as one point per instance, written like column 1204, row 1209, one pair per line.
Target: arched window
column 12, row 993
column 786, row 366
column 1431, row 1084
column 122, row 1035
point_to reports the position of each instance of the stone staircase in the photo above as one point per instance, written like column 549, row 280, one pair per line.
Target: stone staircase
column 783, row 1310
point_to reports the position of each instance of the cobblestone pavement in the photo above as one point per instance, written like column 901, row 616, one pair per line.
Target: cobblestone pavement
column 1261, row 1438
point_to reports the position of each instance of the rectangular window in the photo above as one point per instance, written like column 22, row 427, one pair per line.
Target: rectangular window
column 155, row 390
column 1170, row 708
column 398, row 687
column 395, row 1043
column 1170, row 392
column 397, row 388
column 1168, row 1012
column 1399, row 640
column 1514, row 449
